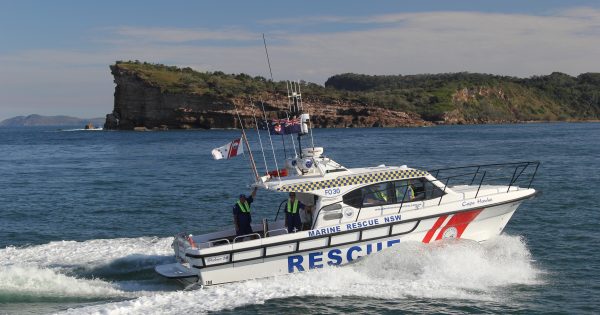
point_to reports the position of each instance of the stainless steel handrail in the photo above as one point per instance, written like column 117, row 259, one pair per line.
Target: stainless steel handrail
column 519, row 170
column 245, row 235
column 279, row 209
column 282, row 229
column 212, row 242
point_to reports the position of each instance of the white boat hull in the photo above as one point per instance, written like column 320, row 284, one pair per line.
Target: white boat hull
column 334, row 248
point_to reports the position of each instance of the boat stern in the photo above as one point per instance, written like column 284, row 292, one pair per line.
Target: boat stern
column 181, row 270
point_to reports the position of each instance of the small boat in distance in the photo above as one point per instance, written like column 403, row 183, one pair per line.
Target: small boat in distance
column 356, row 212
column 90, row 126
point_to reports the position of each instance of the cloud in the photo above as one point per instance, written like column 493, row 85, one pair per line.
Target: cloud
column 403, row 43
column 179, row 35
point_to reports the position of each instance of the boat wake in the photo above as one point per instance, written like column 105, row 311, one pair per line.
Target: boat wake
column 82, row 271
column 33, row 284
column 89, row 254
column 460, row 269
column 82, row 129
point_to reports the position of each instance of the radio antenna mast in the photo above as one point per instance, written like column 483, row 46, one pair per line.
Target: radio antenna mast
column 268, row 61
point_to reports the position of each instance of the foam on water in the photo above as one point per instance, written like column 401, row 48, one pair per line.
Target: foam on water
column 445, row 270
column 18, row 283
column 89, row 254
column 83, row 129
column 73, row 270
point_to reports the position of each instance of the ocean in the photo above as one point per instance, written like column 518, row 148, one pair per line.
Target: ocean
column 86, row 215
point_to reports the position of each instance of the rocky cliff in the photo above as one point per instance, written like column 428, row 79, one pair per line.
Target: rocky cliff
column 154, row 96
column 142, row 101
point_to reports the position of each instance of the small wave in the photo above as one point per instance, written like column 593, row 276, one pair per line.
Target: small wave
column 445, row 270
column 91, row 254
column 82, row 129
column 124, row 264
column 26, row 284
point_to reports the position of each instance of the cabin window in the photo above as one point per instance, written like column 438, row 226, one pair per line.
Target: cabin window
column 332, row 216
column 417, row 189
column 332, row 207
column 377, row 195
column 369, row 196
column 404, row 191
column 354, row 198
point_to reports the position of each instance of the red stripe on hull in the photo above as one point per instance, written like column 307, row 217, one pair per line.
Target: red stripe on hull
column 436, row 226
column 460, row 221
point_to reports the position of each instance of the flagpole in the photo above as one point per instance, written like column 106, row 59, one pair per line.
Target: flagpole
column 253, row 164
column 251, row 157
column 284, row 150
column 312, row 141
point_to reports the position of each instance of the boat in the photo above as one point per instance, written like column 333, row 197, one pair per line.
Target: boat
column 355, row 212
column 90, row 126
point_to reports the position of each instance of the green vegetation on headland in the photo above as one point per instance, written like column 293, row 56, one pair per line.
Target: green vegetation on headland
column 445, row 98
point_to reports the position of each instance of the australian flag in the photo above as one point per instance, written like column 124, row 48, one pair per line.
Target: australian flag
column 284, row 126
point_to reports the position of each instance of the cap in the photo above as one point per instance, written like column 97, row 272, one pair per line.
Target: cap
column 242, row 196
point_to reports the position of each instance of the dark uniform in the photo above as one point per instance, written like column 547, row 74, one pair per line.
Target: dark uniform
column 292, row 215
column 242, row 217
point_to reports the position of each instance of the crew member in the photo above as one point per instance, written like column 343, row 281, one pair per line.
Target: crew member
column 378, row 195
column 292, row 214
column 405, row 193
column 241, row 214
column 306, row 215
column 410, row 192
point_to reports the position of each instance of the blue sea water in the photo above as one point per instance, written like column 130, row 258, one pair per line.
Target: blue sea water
column 85, row 216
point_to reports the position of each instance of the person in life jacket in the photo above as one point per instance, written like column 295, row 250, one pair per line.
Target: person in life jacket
column 292, row 214
column 377, row 195
column 408, row 193
column 381, row 196
column 405, row 191
column 241, row 214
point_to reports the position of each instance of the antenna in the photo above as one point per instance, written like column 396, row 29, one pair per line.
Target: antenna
column 262, row 149
column 270, row 139
column 287, row 87
column 294, row 97
column 268, row 61
column 292, row 137
column 273, row 87
column 312, row 140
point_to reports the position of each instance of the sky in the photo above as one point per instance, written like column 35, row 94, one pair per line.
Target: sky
column 55, row 55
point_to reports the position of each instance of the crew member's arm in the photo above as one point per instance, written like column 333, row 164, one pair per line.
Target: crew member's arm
column 253, row 194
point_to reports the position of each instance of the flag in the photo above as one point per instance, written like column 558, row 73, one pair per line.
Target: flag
column 284, row 126
column 233, row 148
column 276, row 128
column 293, row 126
